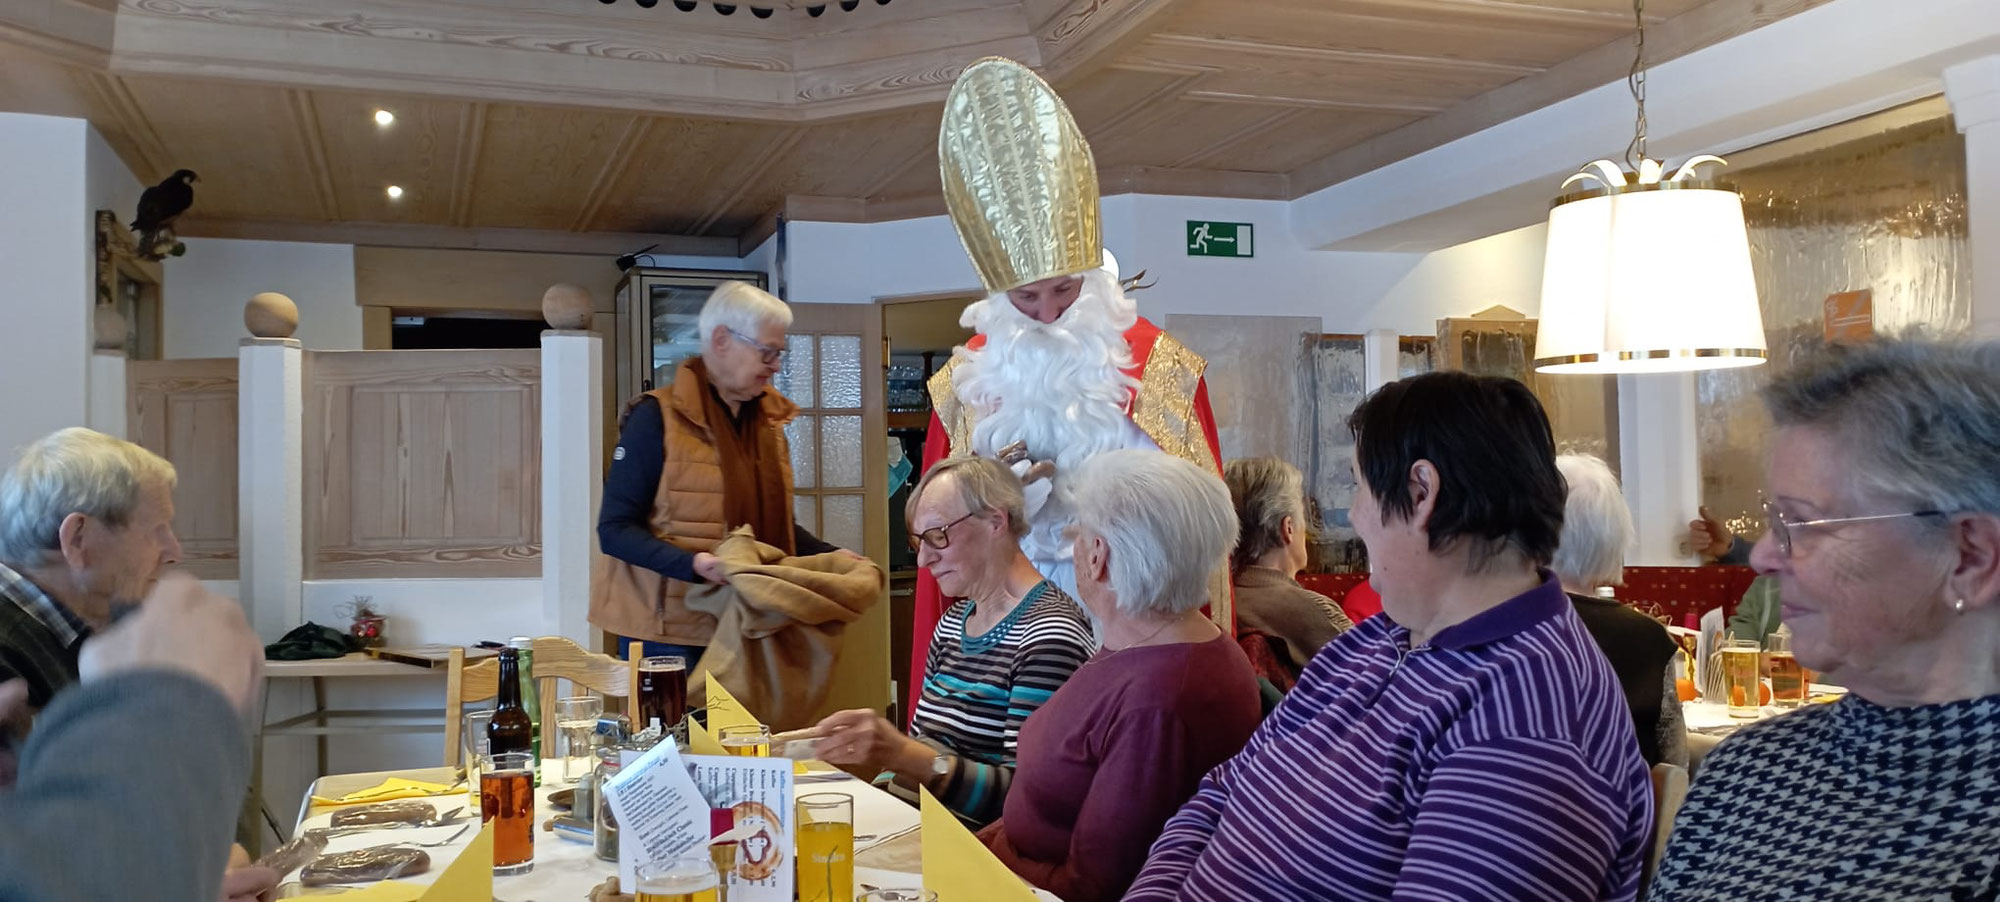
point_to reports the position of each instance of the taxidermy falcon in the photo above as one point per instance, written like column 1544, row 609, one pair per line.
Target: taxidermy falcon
column 159, row 206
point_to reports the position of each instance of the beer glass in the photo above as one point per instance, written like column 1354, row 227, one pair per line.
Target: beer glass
column 662, row 692
column 746, row 741
column 576, row 720
column 1788, row 677
column 1740, row 678
column 507, row 800
column 473, row 746
column 687, row 879
column 826, row 847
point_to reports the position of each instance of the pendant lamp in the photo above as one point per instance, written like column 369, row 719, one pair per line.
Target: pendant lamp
column 1645, row 272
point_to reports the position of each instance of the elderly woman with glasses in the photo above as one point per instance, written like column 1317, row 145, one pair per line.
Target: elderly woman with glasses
column 1469, row 742
column 1885, row 540
column 1124, row 742
column 995, row 657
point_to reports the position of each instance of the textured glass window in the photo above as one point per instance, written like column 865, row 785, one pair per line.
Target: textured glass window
column 795, row 380
column 843, row 520
column 805, row 451
column 841, row 452
column 840, row 371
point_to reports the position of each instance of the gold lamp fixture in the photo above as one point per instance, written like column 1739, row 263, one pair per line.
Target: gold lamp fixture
column 1647, row 273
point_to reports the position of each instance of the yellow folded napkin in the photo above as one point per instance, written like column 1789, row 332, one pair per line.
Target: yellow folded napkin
column 957, row 866
column 387, row 790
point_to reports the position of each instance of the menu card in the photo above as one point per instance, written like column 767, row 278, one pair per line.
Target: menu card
column 663, row 801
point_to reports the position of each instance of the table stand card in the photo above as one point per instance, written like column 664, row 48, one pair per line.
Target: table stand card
column 661, row 815
column 758, row 793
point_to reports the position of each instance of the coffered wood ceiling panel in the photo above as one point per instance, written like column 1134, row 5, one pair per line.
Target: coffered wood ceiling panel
column 527, row 123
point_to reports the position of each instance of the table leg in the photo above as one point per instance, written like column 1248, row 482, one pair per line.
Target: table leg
column 319, row 707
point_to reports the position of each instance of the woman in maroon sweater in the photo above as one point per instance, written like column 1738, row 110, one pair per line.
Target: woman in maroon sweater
column 1119, row 748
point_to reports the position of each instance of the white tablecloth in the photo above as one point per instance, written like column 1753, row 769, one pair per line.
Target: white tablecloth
column 566, row 869
column 1714, row 718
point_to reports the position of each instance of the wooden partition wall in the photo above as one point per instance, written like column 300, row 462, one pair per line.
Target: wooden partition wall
column 185, row 411
column 423, row 464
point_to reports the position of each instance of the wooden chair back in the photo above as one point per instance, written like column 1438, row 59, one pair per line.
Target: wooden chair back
column 556, row 659
column 1670, row 789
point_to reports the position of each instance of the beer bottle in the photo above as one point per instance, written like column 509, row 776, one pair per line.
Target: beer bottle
column 510, row 730
column 524, row 650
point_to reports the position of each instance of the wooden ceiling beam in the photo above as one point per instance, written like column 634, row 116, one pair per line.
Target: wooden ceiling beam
column 306, row 120
column 400, row 235
column 1703, row 26
column 623, row 156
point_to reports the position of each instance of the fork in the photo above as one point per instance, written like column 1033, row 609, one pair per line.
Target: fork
column 428, row 845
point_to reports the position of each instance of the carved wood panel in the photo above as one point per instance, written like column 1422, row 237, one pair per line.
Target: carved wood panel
column 423, row 464
column 185, row 411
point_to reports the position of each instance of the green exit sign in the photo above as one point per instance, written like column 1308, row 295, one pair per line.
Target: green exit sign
column 1220, row 239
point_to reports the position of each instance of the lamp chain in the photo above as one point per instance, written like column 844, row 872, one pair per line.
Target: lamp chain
column 1635, row 152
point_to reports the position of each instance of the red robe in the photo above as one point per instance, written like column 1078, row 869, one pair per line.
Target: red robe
column 1142, row 338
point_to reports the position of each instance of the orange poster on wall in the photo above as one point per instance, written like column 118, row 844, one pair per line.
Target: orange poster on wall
column 1850, row 316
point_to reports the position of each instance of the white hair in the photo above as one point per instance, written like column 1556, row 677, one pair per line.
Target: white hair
column 741, row 307
column 73, row 471
column 1168, row 523
column 1597, row 524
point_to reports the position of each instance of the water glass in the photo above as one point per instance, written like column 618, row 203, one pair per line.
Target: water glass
column 507, row 801
column 826, row 847
column 473, row 745
column 576, row 722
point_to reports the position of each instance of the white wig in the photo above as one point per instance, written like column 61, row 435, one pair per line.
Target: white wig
column 1597, row 525
column 1169, row 525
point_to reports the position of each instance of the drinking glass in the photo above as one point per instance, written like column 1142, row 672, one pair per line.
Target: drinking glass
column 826, row 847
column 473, row 745
column 687, row 879
column 746, row 741
column 1788, row 677
column 1740, row 679
column 662, row 693
column 576, row 720
column 507, row 800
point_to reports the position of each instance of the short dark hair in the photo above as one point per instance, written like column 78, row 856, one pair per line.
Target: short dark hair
column 1494, row 452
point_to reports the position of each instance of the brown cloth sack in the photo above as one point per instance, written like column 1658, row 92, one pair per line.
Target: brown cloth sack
column 779, row 626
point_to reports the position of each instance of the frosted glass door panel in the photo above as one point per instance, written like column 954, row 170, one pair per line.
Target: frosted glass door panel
column 840, row 371
column 805, row 451
column 840, row 456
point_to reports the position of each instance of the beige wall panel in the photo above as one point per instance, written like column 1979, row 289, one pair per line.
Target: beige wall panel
column 185, row 411
column 428, row 279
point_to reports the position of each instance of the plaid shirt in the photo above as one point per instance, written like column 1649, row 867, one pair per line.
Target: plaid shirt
column 39, row 638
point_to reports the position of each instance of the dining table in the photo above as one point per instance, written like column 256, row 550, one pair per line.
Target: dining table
column 888, row 851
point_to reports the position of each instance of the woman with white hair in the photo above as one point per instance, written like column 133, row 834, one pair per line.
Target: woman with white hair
column 1884, row 535
column 1279, row 623
column 696, row 459
column 1596, row 530
column 1120, row 746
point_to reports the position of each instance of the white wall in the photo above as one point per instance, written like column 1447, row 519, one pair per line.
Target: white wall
column 206, row 290
column 1347, row 291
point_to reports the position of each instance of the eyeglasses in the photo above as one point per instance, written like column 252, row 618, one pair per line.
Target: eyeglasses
column 770, row 354
column 939, row 538
column 1782, row 523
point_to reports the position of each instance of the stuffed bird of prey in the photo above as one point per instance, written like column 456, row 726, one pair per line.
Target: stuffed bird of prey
column 159, row 206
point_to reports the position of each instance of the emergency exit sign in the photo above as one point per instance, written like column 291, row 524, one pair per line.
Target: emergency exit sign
column 1220, row 239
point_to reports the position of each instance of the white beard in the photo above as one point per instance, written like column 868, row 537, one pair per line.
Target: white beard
column 1060, row 387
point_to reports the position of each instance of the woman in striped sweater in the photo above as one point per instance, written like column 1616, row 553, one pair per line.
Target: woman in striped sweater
column 994, row 659
column 1470, row 742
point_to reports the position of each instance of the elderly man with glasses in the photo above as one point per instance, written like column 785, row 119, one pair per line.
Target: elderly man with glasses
column 696, row 459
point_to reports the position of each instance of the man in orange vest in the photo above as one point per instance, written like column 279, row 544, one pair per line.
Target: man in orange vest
column 1062, row 360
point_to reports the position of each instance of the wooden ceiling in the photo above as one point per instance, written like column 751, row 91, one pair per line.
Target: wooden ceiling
column 558, row 124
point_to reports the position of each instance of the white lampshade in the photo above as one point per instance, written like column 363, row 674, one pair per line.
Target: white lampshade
column 1647, row 279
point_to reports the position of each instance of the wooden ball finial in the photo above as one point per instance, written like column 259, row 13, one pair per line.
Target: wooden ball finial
column 271, row 315
column 566, row 306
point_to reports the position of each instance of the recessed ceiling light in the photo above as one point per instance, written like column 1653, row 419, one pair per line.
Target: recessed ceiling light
column 384, row 117
column 395, row 191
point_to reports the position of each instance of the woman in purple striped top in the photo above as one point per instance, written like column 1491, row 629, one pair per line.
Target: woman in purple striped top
column 1473, row 743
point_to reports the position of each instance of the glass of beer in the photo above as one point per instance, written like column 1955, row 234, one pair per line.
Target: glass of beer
column 1740, row 678
column 577, row 719
column 686, row 879
column 473, row 745
column 1788, row 678
column 746, row 741
column 826, row 847
column 663, row 690
column 507, row 800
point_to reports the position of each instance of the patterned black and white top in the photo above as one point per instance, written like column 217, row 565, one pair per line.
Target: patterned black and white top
column 978, row 690
column 1849, row 800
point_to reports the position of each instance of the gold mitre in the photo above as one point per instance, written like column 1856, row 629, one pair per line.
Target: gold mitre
column 1018, row 177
